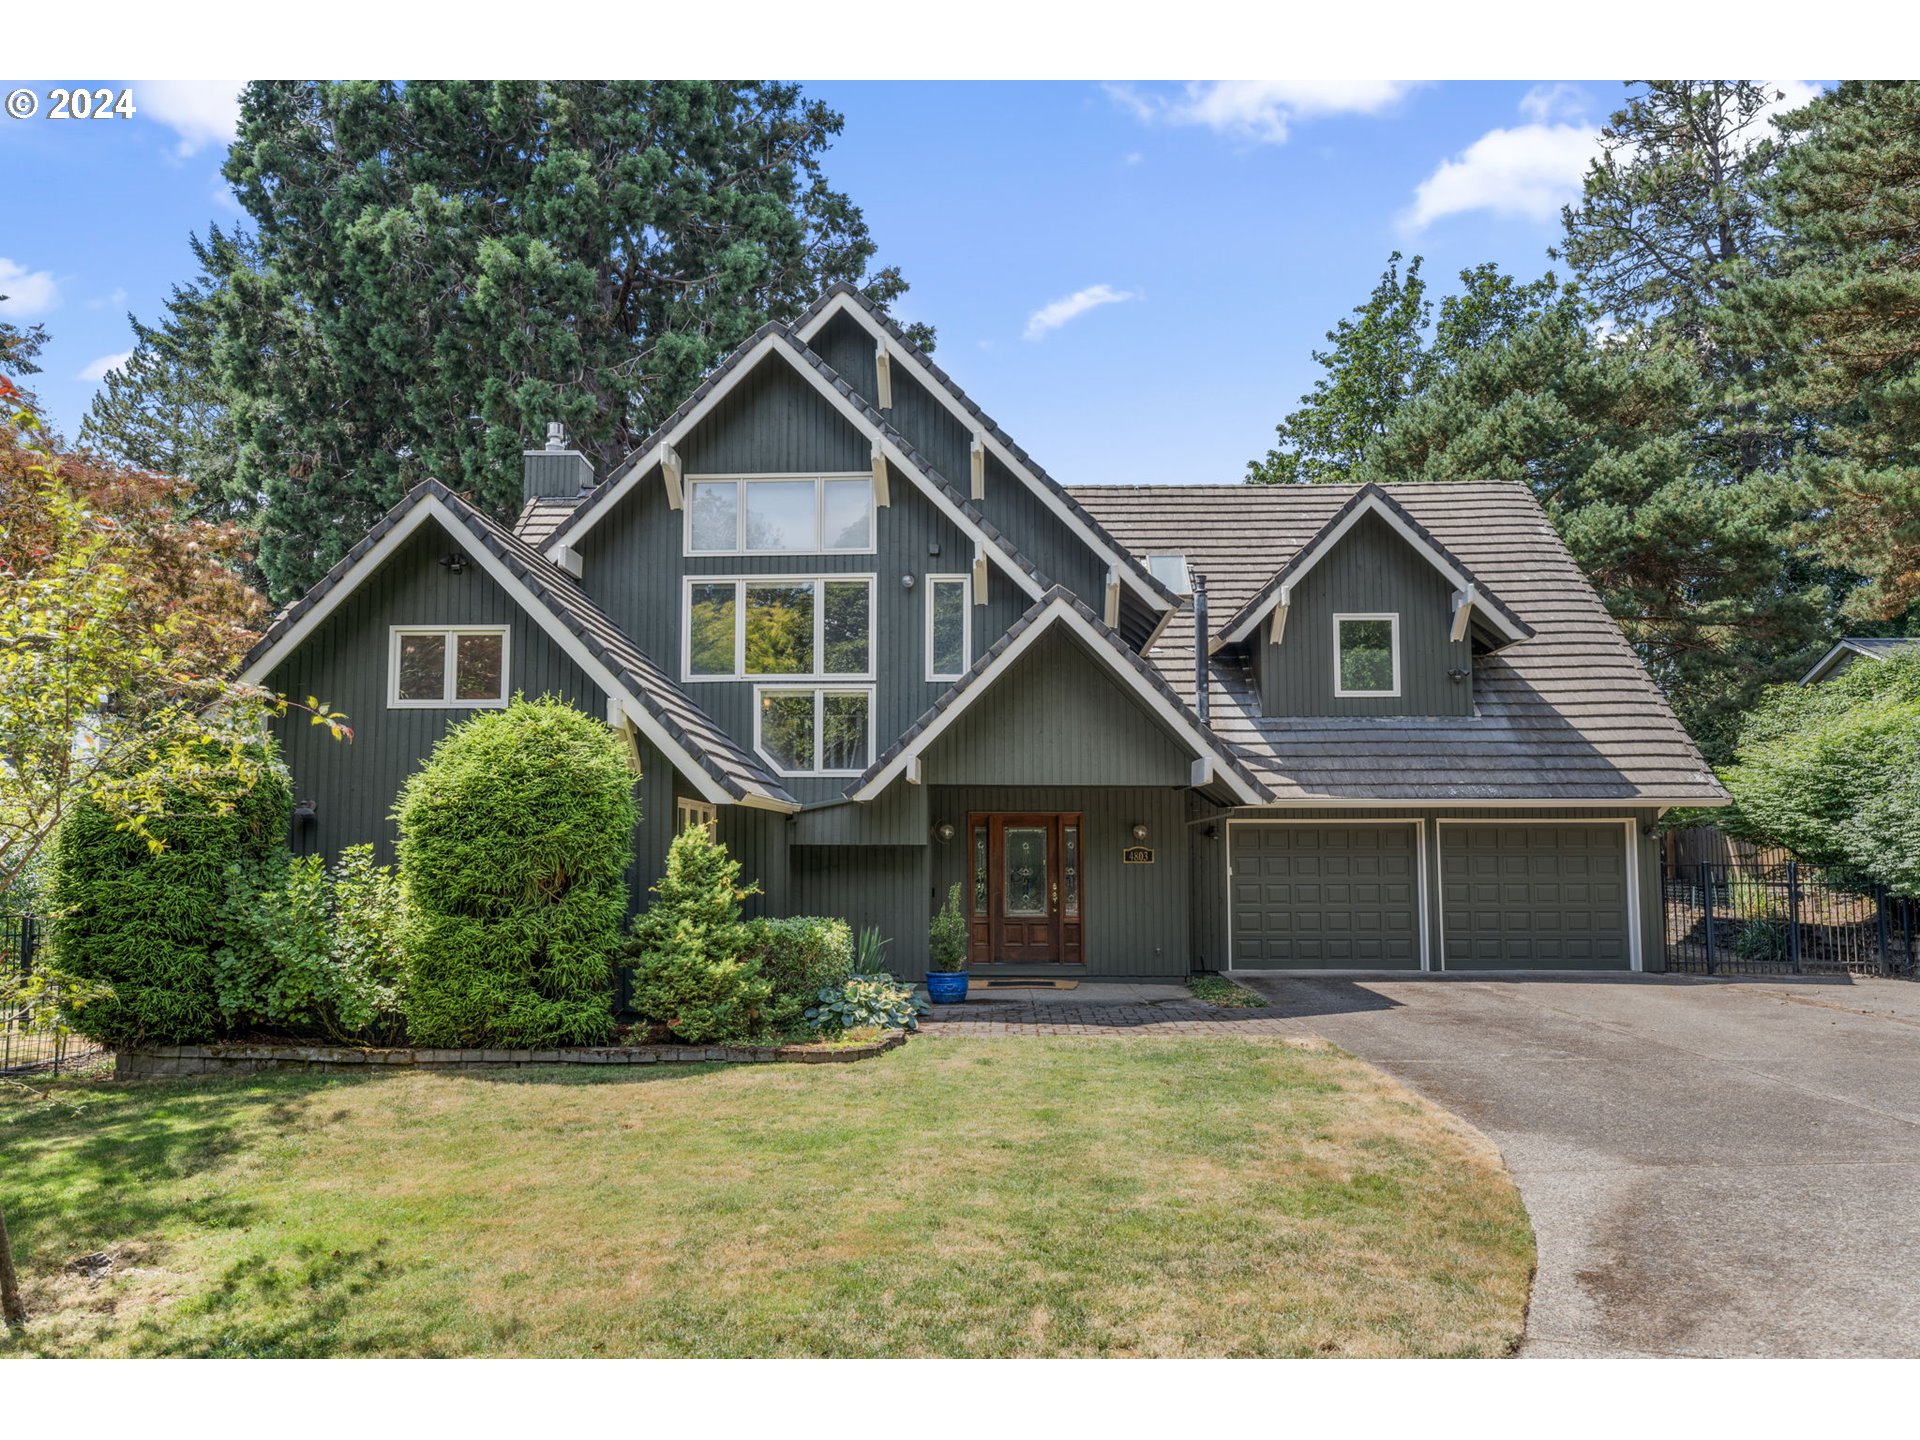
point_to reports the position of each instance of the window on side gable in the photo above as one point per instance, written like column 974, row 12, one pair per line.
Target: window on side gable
column 779, row 514
column 447, row 667
column 1366, row 655
column 949, row 626
column 689, row 813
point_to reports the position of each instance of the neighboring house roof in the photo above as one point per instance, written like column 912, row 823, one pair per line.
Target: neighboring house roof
column 1871, row 647
column 1059, row 607
column 777, row 340
column 663, row 712
column 1371, row 500
column 1569, row 717
column 843, row 297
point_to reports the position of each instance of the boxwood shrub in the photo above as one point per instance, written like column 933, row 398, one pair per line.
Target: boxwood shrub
column 514, row 841
column 800, row 956
column 151, row 923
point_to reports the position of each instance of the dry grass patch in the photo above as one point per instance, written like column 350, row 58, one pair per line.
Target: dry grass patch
column 987, row 1197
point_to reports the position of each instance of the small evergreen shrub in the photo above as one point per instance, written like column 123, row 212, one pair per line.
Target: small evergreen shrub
column 947, row 937
column 800, row 957
column 866, row 1002
column 148, row 924
column 696, row 970
column 316, row 951
column 514, row 842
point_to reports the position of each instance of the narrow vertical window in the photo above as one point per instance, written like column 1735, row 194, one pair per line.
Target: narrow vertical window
column 949, row 620
column 980, row 871
column 1070, row 866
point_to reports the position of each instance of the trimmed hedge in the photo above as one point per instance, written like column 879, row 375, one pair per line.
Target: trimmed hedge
column 801, row 956
column 514, row 842
column 151, row 924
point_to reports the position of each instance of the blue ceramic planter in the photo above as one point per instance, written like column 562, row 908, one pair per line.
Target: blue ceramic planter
column 947, row 987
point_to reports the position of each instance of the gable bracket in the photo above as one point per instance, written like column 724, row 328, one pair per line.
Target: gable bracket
column 1278, row 626
column 670, row 475
column 979, row 575
column 882, row 493
column 977, row 459
column 1110, row 612
column 1463, row 603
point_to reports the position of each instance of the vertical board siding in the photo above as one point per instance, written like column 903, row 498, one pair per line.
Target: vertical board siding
column 344, row 663
column 633, row 567
column 1136, row 916
column 1057, row 717
column 896, row 816
column 774, row 420
column 760, row 841
column 1371, row 571
column 870, row 886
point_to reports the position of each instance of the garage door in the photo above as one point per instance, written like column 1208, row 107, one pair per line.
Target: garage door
column 1534, row 897
column 1324, row 897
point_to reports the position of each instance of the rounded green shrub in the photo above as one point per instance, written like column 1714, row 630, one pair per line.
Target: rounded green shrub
column 514, row 843
column 150, row 923
column 800, row 957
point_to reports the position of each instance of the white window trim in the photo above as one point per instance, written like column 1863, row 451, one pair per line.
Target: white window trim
column 819, row 692
column 966, row 624
column 740, row 584
column 446, row 702
column 1393, row 641
column 819, row 479
column 695, row 812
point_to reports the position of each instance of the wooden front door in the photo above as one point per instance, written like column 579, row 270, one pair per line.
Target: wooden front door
column 1027, row 883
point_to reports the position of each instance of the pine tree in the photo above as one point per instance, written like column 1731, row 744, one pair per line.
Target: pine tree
column 1383, row 357
column 1839, row 317
column 441, row 268
column 163, row 410
column 1605, row 435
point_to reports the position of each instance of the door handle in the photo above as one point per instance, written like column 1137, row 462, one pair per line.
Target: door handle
column 1056, row 892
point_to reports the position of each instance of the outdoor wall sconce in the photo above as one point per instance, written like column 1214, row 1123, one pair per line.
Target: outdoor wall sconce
column 906, row 582
column 1456, row 676
column 943, row 832
column 1212, row 832
column 1139, row 830
column 305, row 813
column 454, row 561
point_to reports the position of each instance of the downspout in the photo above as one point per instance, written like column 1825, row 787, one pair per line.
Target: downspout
column 1199, row 583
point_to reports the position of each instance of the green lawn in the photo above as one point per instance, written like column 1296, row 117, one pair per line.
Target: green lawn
column 958, row 1197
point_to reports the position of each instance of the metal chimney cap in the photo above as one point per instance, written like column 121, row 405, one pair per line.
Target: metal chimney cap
column 556, row 435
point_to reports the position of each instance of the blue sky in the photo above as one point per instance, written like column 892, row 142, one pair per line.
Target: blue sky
column 1129, row 278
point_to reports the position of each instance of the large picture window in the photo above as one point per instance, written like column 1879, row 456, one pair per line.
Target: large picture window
column 1366, row 655
column 781, row 626
column 779, row 514
column 823, row 731
column 447, row 667
column 949, row 626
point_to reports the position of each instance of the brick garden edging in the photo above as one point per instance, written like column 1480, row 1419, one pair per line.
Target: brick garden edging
column 159, row 1062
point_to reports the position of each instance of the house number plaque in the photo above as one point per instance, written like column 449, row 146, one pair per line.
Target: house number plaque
column 1137, row 855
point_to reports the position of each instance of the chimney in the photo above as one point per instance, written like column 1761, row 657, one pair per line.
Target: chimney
column 557, row 472
column 1199, row 583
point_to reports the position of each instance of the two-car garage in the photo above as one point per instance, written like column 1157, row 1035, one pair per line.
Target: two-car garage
column 1512, row 895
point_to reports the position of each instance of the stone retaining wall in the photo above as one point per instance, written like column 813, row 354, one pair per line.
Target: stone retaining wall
column 167, row 1061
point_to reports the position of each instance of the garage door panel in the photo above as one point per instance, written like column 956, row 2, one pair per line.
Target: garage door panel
column 1329, row 897
column 1534, row 897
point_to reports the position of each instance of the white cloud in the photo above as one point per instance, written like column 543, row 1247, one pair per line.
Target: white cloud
column 1056, row 313
column 100, row 368
column 1793, row 94
column 28, row 292
column 200, row 112
column 1529, row 171
column 1558, row 101
column 1258, row 110
column 113, row 299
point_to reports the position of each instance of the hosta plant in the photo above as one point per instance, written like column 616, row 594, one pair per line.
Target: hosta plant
column 867, row 1001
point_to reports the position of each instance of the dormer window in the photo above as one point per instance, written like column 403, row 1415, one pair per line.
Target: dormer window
column 1171, row 571
column 1366, row 656
column 780, row 514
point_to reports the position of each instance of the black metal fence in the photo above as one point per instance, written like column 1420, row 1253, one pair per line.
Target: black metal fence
column 1784, row 919
column 29, row 1040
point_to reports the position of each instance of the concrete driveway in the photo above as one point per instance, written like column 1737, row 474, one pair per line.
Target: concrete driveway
column 1713, row 1167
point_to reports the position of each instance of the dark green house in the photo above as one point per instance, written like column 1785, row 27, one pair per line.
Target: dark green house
column 842, row 617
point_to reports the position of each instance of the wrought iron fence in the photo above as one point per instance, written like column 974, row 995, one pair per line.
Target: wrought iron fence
column 1791, row 918
column 28, row 1038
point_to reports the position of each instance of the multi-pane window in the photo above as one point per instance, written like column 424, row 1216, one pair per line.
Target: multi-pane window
column 1366, row 655
column 689, row 813
column 780, row 626
column 779, row 514
column 447, row 666
column 949, row 622
column 822, row 731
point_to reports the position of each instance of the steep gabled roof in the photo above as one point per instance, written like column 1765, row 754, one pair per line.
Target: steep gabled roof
column 1569, row 718
column 777, row 340
column 684, row 732
column 843, row 298
column 1060, row 608
column 1870, row 647
column 1370, row 499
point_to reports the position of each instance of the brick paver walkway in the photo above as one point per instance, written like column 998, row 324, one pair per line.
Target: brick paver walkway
column 1096, row 1009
